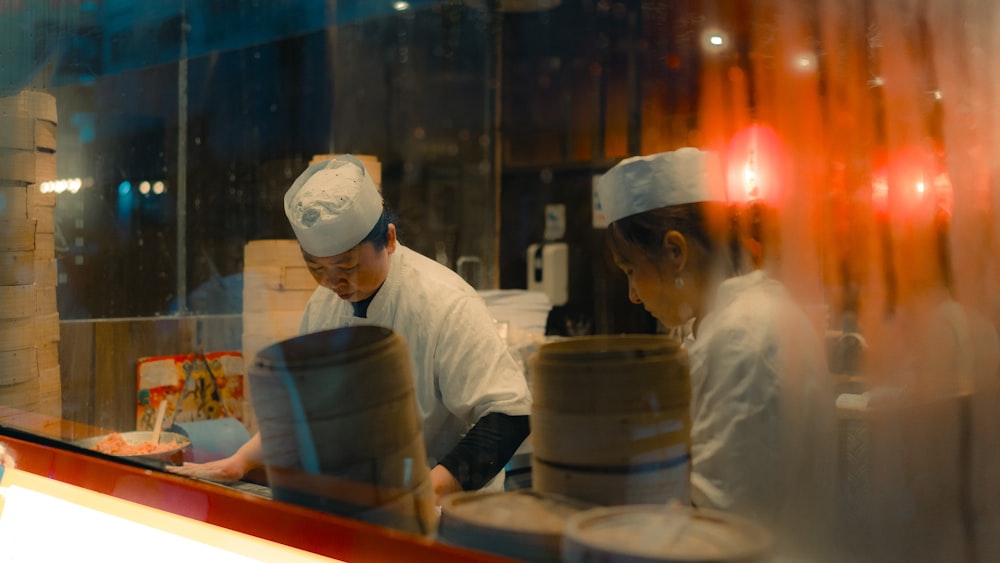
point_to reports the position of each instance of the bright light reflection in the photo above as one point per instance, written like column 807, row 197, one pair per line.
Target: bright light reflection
column 71, row 185
column 158, row 188
column 401, row 6
column 125, row 187
column 750, row 179
column 144, row 187
column 716, row 40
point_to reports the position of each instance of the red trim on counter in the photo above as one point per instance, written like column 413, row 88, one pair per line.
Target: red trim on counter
column 309, row 530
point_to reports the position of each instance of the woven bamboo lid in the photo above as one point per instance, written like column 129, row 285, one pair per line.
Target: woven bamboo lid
column 521, row 524
column 662, row 533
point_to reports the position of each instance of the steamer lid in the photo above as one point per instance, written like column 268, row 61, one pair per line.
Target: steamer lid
column 640, row 533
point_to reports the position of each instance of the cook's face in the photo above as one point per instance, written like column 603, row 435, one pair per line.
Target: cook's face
column 353, row 275
column 650, row 286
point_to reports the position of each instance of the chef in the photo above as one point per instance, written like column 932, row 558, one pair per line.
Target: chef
column 472, row 397
column 762, row 405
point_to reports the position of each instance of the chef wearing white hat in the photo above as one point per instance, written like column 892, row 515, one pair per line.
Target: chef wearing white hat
column 762, row 406
column 472, row 397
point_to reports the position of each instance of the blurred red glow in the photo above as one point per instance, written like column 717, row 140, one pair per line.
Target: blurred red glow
column 756, row 165
column 911, row 186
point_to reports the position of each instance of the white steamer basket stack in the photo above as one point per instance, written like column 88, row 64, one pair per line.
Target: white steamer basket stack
column 29, row 320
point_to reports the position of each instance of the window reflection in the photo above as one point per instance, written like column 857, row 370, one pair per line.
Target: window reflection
column 854, row 144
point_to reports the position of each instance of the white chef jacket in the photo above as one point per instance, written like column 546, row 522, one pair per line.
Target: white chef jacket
column 763, row 438
column 462, row 367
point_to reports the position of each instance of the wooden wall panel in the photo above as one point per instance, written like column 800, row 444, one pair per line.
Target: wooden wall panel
column 76, row 359
column 99, row 360
column 114, row 383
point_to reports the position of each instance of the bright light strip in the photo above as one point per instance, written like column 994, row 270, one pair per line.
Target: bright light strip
column 71, row 185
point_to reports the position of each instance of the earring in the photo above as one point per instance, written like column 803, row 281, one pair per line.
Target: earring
column 679, row 282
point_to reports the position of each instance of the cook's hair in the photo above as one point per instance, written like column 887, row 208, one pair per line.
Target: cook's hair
column 644, row 233
column 379, row 235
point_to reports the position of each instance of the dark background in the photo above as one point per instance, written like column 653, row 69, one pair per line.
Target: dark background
column 479, row 117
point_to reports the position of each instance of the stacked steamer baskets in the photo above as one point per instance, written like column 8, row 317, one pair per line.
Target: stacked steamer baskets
column 610, row 419
column 340, row 428
column 29, row 320
column 611, row 426
column 276, row 287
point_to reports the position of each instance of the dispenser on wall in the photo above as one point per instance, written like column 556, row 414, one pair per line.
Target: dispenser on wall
column 548, row 262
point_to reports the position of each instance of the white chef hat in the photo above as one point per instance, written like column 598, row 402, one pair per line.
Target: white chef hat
column 643, row 183
column 333, row 205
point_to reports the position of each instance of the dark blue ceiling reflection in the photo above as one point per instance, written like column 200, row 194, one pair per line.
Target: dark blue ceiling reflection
column 91, row 38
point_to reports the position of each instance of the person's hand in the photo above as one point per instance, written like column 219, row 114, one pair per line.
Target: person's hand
column 223, row 470
column 443, row 482
column 7, row 457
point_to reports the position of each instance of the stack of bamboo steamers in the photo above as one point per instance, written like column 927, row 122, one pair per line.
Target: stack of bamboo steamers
column 610, row 427
column 611, row 441
column 29, row 320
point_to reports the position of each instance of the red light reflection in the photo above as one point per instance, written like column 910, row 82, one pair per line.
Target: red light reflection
column 757, row 159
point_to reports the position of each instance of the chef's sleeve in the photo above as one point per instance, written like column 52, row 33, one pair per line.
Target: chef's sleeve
column 474, row 371
column 487, row 447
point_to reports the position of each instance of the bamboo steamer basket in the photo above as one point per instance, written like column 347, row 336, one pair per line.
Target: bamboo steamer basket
column 23, row 395
column 46, row 271
column 409, row 509
column 28, row 133
column 19, row 381
column 46, row 300
column 48, row 354
column 633, row 484
column 17, row 301
column 27, row 166
column 45, row 245
column 526, row 525
column 13, row 200
column 28, row 313
column 663, row 534
column 18, row 366
column 17, row 268
column 340, row 428
column 413, row 511
column 16, row 334
column 17, row 235
column 610, row 419
column 26, row 332
column 610, row 373
column 609, row 439
column 30, row 103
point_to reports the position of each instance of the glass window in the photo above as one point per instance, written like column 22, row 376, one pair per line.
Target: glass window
column 813, row 228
